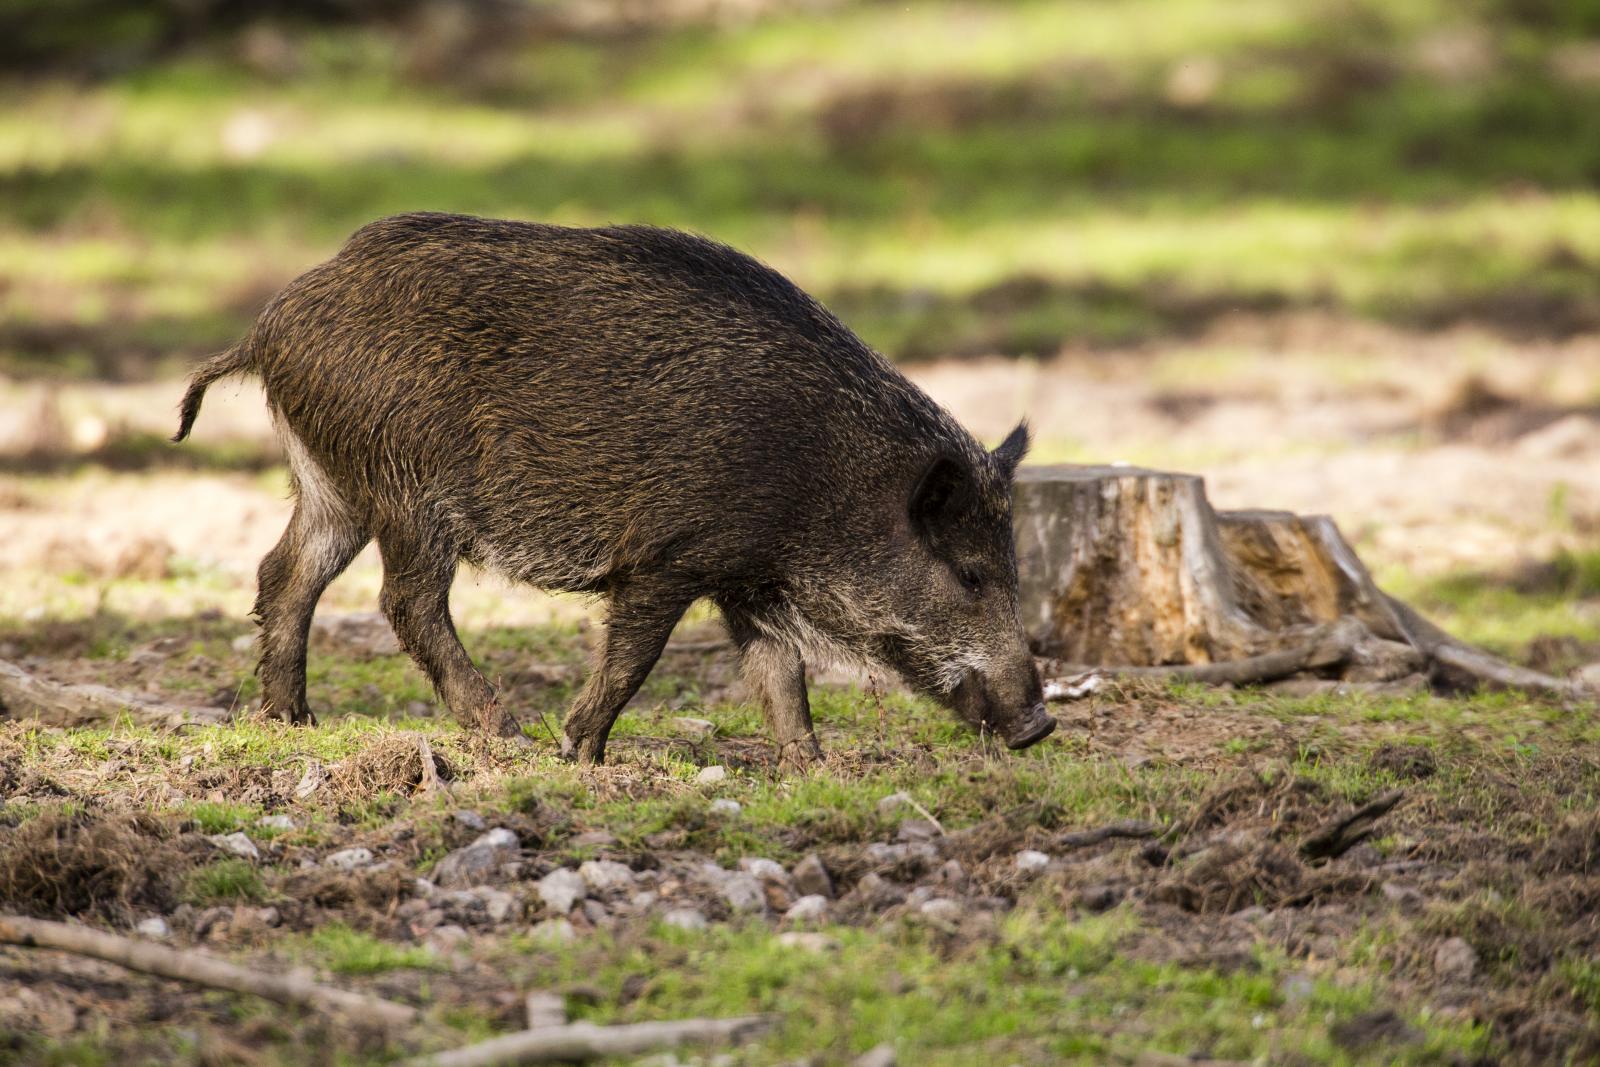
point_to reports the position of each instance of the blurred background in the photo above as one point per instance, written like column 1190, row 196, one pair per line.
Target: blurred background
column 1335, row 255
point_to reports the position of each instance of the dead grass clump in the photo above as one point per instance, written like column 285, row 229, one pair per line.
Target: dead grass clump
column 1236, row 874
column 60, row 865
column 1574, row 849
column 392, row 765
column 356, row 895
column 1270, row 796
column 1409, row 762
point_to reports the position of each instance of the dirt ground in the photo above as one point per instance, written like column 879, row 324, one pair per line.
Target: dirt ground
column 1467, row 915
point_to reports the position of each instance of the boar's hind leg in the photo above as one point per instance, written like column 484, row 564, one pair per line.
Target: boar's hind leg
column 639, row 619
column 319, row 543
column 416, row 599
column 776, row 675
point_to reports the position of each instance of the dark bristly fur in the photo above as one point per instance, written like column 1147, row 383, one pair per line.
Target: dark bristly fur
column 640, row 414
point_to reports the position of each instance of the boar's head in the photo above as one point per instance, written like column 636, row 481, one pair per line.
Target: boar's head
column 949, row 581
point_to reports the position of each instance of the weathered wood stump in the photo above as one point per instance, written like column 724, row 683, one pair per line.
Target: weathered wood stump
column 1132, row 569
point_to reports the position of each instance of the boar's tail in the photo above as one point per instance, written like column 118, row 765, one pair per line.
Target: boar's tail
column 236, row 359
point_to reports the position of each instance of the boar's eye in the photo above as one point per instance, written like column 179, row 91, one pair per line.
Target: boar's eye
column 970, row 579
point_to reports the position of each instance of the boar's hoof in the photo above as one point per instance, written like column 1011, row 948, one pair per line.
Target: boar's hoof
column 800, row 755
column 497, row 722
column 581, row 751
column 1035, row 728
column 300, row 716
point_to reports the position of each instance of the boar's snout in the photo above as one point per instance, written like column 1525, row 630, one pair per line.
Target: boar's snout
column 1031, row 728
column 1018, row 717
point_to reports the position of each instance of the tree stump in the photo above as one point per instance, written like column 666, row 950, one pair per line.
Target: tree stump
column 1127, row 568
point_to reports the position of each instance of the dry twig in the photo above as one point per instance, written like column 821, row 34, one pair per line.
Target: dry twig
column 587, row 1041
column 200, row 969
column 57, row 704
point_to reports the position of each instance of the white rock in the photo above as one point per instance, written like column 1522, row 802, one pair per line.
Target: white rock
column 685, row 919
column 561, row 889
column 725, row 806
column 699, row 729
column 349, row 859
column 807, row 941
column 1455, row 959
column 807, row 910
column 601, row 875
column 153, row 927
column 712, row 775
column 881, row 1056
column 499, row 837
column 893, row 803
column 280, row 823
column 238, row 844
column 941, row 910
column 553, row 931
column 310, row 781
column 499, row 905
column 468, row 818
column 765, row 869
column 743, row 892
column 1031, row 862
column 811, row 876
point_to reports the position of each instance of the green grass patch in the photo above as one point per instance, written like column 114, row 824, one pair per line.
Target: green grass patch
column 227, row 881
column 347, row 951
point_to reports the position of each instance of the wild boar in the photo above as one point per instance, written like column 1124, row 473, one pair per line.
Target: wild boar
column 642, row 415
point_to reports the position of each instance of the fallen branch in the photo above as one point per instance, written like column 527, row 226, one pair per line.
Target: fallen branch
column 1329, row 648
column 201, row 970
column 57, row 704
column 587, row 1041
column 431, row 782
column 1338, row 836
column 1125, row 828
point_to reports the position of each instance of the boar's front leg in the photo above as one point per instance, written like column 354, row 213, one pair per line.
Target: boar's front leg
column 417, row 573
column 776, row 675
column 640, row 616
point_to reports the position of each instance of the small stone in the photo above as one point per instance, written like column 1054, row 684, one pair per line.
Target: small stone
column 349, row 859
column 478, row 861
column 764, row 869
column 419, row 709
column 470, row 819
column 893, row 803
column 942, row 910
column 712, row 775
column 643, row 899
column 310, row 781
column 1402, row 896
column 808, row 941
column 238, row 844
column 881, row 1056
column 447, row 936
column 1031, row 862
column 1296, row 989
column 743, row 893
column 725, row 806
column 1455, row 960
column 953, row 875
column 553, row 931
column 594, row 839
column 915, row 830
column 685, row 919
column 809, row 909
column 1099, row 897
column 561, row 889
column 811, row 877
column 500, row 906
column 269, row 917
column 597, row 913
column 545, row 1009
column 278, row 823
column 601, row 875
column 698, row 729
column 153, row 927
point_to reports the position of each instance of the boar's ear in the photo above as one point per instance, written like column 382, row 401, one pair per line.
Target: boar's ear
column 1012, row 449
column 936, row 493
